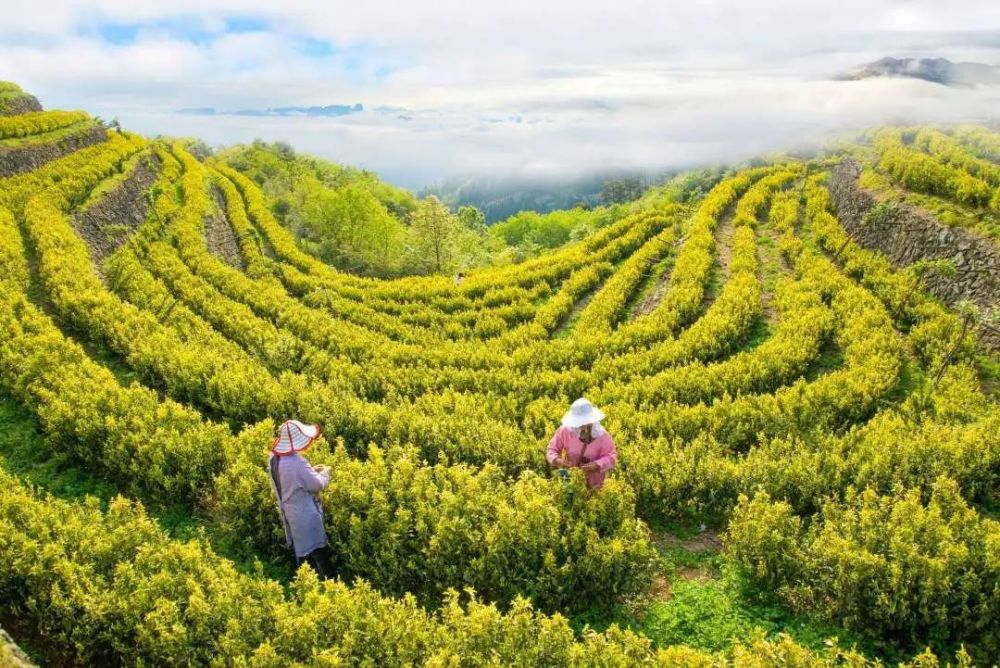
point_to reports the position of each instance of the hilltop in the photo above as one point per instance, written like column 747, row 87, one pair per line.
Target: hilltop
column 935, row 70
column 13, row 100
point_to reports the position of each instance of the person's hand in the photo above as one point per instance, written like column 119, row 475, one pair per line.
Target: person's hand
column 320, row 468
column 590, row 467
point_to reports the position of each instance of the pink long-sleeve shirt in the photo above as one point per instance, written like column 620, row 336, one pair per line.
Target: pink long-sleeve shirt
column 601, row 450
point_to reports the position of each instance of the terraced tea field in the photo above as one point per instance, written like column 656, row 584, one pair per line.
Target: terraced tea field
column 763, row 372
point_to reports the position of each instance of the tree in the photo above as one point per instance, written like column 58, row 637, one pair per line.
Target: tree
column 284, row 150
column 354, row 230
column 624, row 189
column 281, row 208
column 434, row 231
column 196, row 147
column 472, row 219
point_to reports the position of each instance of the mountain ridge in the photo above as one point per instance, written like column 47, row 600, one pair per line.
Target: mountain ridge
column 330, row 110
column 935, row 70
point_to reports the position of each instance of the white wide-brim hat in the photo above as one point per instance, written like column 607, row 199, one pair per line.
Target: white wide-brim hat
column 580, row 413
column 294, row 436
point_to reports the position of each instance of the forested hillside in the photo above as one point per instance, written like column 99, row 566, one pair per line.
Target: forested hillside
column 807, row 429
column 353, row 221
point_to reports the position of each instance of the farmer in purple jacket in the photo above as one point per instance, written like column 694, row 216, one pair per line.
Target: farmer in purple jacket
column 296, row 484
column 582, row 442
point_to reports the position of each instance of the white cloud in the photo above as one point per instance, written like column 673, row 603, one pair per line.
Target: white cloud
column 521, row 85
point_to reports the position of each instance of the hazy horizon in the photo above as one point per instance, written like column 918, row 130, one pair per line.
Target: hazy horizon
column 518, row 91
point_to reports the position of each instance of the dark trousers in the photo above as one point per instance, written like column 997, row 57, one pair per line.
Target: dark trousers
column 320, row 562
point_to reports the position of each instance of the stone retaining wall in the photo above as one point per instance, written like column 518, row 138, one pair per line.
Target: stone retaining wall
column 19, row 159
column 111, row 220
column 11, row 655
column 22, row 104
column 219, row 235
column 905, row 234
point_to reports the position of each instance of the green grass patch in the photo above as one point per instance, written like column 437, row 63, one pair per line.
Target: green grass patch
column 697, row 605
column 989, row 374
column 701, row 614
column 830, row 358
column 760, row 332
column 711, row 615
column 25, row 452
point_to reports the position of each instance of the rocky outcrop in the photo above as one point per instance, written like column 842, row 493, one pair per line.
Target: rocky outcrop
column 20, row 104
column 906, row 234
column 107, row 223
column 18, row 159
column 11, row 655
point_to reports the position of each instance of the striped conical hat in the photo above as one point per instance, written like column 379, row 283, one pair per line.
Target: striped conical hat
column 294, row 436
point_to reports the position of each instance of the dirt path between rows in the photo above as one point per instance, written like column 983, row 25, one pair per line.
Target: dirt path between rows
column 655, row 296
column 724, row 233
column 703, row 543
column 648, row 303
column 574, row 312
column 725, row 230
column 772, row 265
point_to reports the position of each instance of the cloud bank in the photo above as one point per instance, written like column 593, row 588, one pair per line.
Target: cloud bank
column 515, row 88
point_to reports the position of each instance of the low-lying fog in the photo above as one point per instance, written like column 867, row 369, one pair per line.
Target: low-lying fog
column 518, row 90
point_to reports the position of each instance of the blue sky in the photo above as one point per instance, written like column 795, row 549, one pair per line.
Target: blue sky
column 186, row 28
column 515, row 88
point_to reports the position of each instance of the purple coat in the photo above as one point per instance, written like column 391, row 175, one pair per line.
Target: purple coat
column 300, row 510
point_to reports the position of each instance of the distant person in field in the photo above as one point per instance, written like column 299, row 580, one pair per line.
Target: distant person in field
column 296, row 484
column 581, row 442
column 459, row 277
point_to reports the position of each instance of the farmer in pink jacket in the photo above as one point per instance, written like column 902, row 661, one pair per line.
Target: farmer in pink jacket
column 581, row 442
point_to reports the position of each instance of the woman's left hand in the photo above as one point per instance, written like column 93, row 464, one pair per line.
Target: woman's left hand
column 590, row 467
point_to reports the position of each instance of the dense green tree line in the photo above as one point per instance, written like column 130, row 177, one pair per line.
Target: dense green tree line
column 354, row 221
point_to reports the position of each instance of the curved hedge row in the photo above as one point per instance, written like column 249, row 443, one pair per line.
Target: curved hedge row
column 168, row 453
column 39, row 122
column 135, row 597
column 894, row 563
